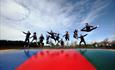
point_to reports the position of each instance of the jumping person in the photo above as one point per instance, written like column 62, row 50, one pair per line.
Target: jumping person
column 57, row 38
column 75, row 35
column 82, row 39
column 47, row 39
column 52, row 34
column 27, row 38
column 41, row 38
column 62, row 43
column 66, row 36
column 34, row 38
column 88, row 28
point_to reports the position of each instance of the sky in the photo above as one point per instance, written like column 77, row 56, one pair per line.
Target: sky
column 41, row 16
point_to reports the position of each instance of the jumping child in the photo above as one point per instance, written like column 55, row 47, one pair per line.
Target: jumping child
column 82, row 39
column 41, row 38
column 88, row 28
column 66, row 36
column 52, row 34
column 75, row 35
column 34, row 38
column 27, row 38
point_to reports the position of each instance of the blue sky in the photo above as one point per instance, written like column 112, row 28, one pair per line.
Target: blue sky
column 57, row 15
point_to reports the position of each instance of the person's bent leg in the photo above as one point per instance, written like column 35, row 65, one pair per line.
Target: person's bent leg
column 84, row 43
column 25, row 43
column 28, row 41
column 80, row 43
column 68, row 39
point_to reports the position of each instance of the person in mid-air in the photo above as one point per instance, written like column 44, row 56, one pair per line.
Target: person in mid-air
column 88, row 28
column 62, row 43
column 27, row 37
column 34, row 38
column 82, row 39
column 75, row 35
column 41, row 38
column 52, row 34
column 47, row 39
column 66, row 36
column 57, row 38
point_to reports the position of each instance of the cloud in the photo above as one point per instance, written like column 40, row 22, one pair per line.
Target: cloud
column 96, row 10
column 10, row 33
column 11, row 10
column 45, row 15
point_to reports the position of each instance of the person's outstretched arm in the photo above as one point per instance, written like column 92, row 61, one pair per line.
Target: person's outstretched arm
column 48, row 32
column 91, row 26
column 85, row 35
column 24, row 32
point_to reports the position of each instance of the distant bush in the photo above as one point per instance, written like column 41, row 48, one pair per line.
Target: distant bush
column 6, row 44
